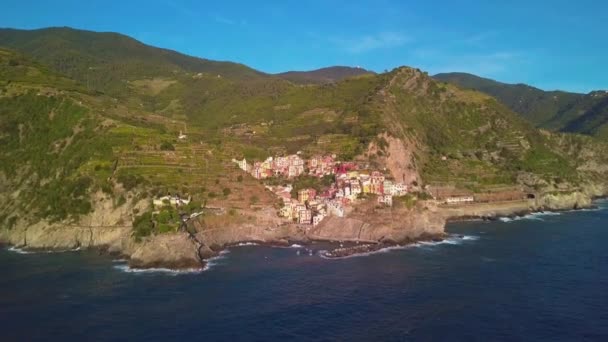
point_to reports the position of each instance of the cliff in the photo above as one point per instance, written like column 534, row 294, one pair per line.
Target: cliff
column 367, row 223
column 178, row 250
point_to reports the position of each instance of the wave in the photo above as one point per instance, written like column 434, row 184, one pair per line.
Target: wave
column 452, row 240
column 127, row 269
column 19, row 250
column 295, row 245
column 213, row 261
column 242, row 244
column 322, row 253
column 534, row 216
column 49, row 251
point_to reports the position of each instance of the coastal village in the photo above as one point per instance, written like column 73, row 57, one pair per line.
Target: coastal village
column 349, row 183
column 338, row 187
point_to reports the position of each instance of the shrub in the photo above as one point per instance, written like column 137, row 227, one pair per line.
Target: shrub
column 164, row 216
column 226, row 192
column 11, row 222
column 193, row 206
column 130, row 181
column 106, row 188
column 121, row 201
column 142, row 226
column 165, row 228
column 167, row 146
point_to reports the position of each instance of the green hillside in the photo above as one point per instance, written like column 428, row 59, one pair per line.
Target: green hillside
column 104, row 60
column 65, row 145
column 555, row 110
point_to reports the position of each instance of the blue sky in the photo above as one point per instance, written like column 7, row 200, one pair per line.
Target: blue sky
column 551, row 44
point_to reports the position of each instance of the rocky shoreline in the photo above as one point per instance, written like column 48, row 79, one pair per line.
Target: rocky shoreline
column 177, row 251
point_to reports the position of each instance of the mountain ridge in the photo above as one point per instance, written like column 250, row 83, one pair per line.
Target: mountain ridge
column 555, row 110
column 323, row 75
column 74, row 156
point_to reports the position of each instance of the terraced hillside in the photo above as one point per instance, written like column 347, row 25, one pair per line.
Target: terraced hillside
column 69, row 148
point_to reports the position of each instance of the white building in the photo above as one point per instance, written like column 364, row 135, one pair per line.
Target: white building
column 459, row 200
column 399, row 189
column 386, row 200
column 170, row 200
column 241, row 163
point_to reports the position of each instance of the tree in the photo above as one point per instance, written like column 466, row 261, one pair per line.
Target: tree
column 142, row 226
column 167, row 146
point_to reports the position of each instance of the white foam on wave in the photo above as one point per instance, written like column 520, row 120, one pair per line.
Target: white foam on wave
column 452, row 240
column 127, row 269
column 19, row 250
column 295, row 245
column 242, row 244
column 534, row 216
column 49, row 251
column 213, row 261
column 209, row 263
column 358, row 255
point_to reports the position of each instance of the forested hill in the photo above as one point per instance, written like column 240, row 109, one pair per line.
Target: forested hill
column 71, row 141
column 555, row 110
column 104, row 60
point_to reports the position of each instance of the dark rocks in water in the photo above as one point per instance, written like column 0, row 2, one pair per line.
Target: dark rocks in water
column 352, row 250
column 280, row 243
column 180, row 264
column 216, row 248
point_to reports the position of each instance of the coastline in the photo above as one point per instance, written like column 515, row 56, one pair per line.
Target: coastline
column 178, row 252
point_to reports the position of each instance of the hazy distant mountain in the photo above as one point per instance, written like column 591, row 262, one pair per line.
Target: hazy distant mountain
column 557, row 110
column 324, row 75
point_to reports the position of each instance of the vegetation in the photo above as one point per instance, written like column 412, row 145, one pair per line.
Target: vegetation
column 307, row 182
column 556, row 110
column 167, row 146
column 105, row 128
column 324, row 75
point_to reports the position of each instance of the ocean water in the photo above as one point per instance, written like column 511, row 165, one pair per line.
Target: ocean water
column 541, row 277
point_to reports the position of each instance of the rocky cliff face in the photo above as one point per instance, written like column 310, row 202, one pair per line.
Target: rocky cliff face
column 105, row 228
column 369, row 224
column 178, row 250
column 563, row 201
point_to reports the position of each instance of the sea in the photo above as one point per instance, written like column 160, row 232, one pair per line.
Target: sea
column 542, row 277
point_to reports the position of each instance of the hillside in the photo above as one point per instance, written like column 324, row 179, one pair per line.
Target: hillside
column 104, row 60
column 323, row 75
column 555, row 110
column 73, row 157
